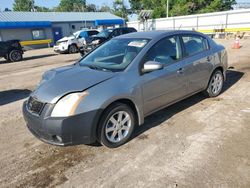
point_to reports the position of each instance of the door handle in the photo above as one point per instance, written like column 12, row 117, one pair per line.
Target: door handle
column 180, row 71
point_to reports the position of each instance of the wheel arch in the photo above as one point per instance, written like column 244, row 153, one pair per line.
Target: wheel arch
column 73, row 44
column 130, row 103
column 220, row 68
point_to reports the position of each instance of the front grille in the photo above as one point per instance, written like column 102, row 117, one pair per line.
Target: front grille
column 35, row 106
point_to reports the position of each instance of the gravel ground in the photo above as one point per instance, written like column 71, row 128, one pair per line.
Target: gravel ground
column 197, row 142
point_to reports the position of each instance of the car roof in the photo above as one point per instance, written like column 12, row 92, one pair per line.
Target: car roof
column 155, row 34
column 124, row 28
column 119, row 28
column 82, row 31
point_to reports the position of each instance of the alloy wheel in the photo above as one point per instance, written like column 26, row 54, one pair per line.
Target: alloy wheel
column 118, row 126
column 216, row 83
column 16, row 56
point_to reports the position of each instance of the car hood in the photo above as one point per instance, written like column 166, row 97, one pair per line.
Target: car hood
column 58, row 82
column 66, row 39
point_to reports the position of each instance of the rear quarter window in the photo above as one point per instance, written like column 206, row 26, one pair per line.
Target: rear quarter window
column 194, row 44
column 92, row 33
column 129, row 30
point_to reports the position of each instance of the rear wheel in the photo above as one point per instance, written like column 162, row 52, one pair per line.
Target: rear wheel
column 72, row 49
column 215, row 84
column 15, row 55
column 116, row 125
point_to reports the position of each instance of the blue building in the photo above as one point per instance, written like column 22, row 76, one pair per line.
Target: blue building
column 38, row 29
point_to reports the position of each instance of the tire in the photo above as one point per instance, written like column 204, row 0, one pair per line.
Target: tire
column 215, row 84
column 82, row 52
column 112, row 132
column 15, row 55
column 72, row 49
column 7, row 58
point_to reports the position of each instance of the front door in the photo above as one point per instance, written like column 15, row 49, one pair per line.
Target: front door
column 164, row 86
column 57, row 33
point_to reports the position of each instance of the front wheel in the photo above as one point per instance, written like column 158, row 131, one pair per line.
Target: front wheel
column 15, row 55
column 215, row 84
column 116, row 125
column 72, row 49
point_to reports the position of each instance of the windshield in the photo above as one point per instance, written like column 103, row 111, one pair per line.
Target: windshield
column 75, row 34
column 114, row 55
column 105, row 33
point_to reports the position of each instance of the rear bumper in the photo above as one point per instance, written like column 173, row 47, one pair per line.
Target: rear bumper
column 78, row 129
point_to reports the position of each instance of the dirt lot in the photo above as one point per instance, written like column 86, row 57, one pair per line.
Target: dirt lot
column 197, row 142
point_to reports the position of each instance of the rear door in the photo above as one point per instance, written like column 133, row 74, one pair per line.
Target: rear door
column 197, row 56
column 164, row 86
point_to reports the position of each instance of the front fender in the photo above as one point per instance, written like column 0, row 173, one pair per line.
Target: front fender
column 110, row 91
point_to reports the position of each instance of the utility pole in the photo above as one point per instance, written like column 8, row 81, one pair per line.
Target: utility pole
column 167, row 7
column 32, row 6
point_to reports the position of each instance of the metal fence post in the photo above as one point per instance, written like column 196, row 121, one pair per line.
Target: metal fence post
column 174, row 23
column 197, row 23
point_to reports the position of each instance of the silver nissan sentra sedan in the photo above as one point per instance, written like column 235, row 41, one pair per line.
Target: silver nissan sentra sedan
column 111, row 90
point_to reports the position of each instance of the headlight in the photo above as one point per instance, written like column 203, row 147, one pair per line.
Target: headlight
column 63, row 43
column 67, row 105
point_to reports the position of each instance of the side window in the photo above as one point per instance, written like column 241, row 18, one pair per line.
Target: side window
column 166, row 51
column 125, row 31
column 83, row 34
column 116, row 33
column 194, row 44
column 93, row 33
column 130, row 30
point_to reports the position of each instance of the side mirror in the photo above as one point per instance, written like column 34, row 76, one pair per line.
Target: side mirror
column 151, row 66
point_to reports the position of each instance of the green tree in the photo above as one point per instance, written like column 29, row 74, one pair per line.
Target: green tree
column 91, row 8
column 181, row 7
column 72, row 6
column 22, row 5
column 120, row 9
column 105, row 8
column 200, row 6
column 42, row 9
